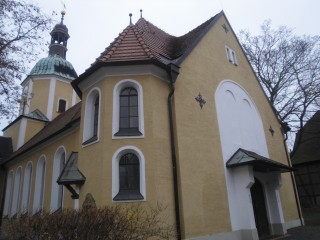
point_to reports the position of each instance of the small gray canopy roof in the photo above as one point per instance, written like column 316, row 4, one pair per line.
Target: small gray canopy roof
column 70, row 173
column 260, row 164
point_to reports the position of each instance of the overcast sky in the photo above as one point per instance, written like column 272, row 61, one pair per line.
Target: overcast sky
column 93, row 24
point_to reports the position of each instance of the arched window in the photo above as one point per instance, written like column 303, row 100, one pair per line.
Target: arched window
column 128, row 175
column 16, row 193
column 26, row 188
column 39, row 185
column 8, row 197
column 96, row 117
column 57, row 190
column 129, row 178
column 128, row 117
column 92, row 115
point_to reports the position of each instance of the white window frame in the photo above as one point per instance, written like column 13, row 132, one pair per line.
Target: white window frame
column 16, row 192
column 89, row 116
column 26, row 192
column 116, row 105
column 56, row 171
column 115, row 171
column 9, row 193
column 231, row 55
column 38, row 199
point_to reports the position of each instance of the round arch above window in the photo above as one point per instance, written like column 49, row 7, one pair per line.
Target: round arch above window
column 128, row 163
column 128, row 114
column 91, row 127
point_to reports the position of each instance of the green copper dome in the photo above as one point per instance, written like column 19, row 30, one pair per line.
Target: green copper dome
column 55, row 65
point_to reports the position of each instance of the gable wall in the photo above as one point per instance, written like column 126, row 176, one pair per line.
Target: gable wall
column 199, row 149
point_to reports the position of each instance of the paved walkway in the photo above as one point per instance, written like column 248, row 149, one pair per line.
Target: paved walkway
column 302, row 233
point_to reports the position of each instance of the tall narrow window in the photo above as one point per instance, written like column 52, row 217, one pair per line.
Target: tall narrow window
column 96, row 117
column 56, row 189
column 129, row 113
column 16, row 193
column 91, row 117
column 26, row 188
column 39, row 185
column 62, row 105
column 60, row 192
column 128, row 116
column 231, row 55
column 8, row 197
column 129, row 178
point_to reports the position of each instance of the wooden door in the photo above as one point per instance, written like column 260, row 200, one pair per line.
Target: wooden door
column 259, row 208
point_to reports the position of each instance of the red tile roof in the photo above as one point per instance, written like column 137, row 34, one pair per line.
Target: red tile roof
column 145, row 41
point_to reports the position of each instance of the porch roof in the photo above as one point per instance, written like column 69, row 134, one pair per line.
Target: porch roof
column 260, row 164
column 71, row 174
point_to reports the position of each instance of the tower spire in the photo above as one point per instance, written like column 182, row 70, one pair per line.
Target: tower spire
column 59, row 38
column 63, row 12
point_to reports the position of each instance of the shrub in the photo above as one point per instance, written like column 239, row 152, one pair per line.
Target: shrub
column 117, row 223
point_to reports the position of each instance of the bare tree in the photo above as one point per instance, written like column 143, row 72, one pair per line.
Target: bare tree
column 21, row 39
column 288, row 68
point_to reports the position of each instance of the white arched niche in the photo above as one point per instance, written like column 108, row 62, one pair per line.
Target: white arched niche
column 56, row 189
column 240, row 126
column 26, row 188
column 38, row 199
column 8, row 196
column 16, row 192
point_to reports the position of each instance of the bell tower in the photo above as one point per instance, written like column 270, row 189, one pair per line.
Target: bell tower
column 59, row 39
column 47, row 90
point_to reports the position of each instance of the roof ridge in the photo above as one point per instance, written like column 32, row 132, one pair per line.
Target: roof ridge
column 141, row 20
column 113, row 46
column 143, row 44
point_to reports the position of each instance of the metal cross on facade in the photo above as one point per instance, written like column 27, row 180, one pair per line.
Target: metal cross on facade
column 271, row 130
column 224, row 26
column 200, row 100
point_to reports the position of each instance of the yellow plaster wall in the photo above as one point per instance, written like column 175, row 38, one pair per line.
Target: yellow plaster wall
column 40, row 93
column 203, row 187
column 63, row 90
column 13, row 132
column 95, row 161
column 33, row 127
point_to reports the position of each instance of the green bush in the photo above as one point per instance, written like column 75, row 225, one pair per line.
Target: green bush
column 117, row 222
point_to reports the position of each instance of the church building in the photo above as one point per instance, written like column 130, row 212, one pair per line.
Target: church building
column 181, row 121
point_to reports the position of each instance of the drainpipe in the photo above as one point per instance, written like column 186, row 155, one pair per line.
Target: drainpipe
column 285, row 129
column 173, row 73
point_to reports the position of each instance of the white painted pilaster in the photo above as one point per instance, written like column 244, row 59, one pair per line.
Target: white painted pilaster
column 22, row 132
column 51, row 98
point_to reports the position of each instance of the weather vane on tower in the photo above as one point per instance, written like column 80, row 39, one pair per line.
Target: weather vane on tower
column 63, row 11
